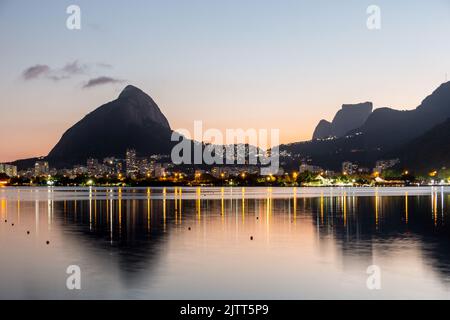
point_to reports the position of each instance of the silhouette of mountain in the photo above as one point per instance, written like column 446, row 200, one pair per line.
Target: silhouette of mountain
column 133, row 120
column 387, row 128
column 430, row 151
column 323, row 130
column 384, row 133
column 350, row 117
column 23, row 164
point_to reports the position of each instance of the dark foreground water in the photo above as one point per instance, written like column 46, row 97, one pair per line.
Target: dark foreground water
column 192, row 243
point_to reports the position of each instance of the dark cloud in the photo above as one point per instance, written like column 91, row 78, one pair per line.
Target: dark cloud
column 36, row 71
column 101, row 81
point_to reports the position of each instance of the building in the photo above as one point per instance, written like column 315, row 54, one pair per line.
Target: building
column 280, row 171
column 112, row 165
column 27, row 173
column 92, row 167
column 144, row 167
column 329, row 173
column 159, row 170
column 382, row 165
column 109, row 161
column 131, row 163
column 219, row 172
column 79, row 170
column 9, row 170
column 41, row 168
column 304, row 167
column 349, row 168
column 363, row 170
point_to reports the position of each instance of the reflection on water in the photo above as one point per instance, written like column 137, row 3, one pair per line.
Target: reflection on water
column 193, row 243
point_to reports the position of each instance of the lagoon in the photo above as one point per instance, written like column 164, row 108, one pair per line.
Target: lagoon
column 225, row 243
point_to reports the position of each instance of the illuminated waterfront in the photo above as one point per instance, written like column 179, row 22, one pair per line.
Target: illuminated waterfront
column 278, row 243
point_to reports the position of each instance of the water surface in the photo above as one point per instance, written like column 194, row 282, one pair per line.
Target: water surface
column 225, row 243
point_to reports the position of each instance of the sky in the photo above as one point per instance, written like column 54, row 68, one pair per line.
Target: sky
column 232, row 64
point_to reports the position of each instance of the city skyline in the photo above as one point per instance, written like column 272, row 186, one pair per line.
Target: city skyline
column 292, row 64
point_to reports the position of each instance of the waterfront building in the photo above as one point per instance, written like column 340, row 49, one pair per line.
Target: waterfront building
column 219, row 172
column 92, row 167
column 112, row 165
column 131, row 163
column 363, row 170
column 41, row 168
column 79, row 170
column 9, row 170
column 304, row 167
column 349, row 168
column 159, row 170
column 382, row 165
column 144, row 167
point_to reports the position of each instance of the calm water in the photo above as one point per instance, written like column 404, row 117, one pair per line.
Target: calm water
column 189, row 243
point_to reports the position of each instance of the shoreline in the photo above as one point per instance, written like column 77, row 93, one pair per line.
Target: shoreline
column 210, row 193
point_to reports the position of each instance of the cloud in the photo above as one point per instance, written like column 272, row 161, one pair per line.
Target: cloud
column 74, row 68
column 69, row 70
column 104, row 65
column 101, row 81
column 58, row 78
column 36, row 71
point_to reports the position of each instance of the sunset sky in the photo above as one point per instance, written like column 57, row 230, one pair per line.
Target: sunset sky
column 233, row 64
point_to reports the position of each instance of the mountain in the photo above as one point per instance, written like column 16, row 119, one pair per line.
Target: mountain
column 323, row 130
column 133, row 120
column 382, row 135
column 357, row 134
column 350, row 117
column 388, row 128
column 430, row 151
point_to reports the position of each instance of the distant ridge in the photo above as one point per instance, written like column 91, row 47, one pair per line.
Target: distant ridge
column 350, row 117
column 384, row 134
column 388, row 128
column 430, row 151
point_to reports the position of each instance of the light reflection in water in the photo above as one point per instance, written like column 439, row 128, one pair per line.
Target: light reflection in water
column 141, row 236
